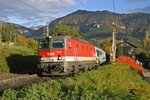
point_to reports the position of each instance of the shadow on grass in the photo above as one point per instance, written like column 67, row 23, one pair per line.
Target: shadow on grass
column 22, row 64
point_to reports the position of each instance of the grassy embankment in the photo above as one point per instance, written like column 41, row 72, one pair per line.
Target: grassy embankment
column 17, row 59
column 113, row 82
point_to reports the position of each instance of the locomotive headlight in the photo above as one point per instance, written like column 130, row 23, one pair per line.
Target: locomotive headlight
column 59, row 57
column 50, row 37
column 42, row 59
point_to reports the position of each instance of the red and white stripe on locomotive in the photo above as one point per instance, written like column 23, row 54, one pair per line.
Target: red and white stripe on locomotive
column 65, row 54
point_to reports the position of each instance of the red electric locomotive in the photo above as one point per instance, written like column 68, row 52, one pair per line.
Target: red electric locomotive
column 63, row 55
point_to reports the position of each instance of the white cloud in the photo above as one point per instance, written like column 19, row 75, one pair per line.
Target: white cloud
column 34, row 11
column 141, row 10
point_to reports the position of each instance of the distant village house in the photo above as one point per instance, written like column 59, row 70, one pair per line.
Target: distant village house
column 128, row 49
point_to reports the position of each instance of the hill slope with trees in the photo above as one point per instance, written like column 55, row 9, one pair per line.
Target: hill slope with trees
column 99, row 23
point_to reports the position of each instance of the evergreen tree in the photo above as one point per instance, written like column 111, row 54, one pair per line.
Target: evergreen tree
column 13, row 31
column 9, row 33
column 5, row 34
column 119, row 51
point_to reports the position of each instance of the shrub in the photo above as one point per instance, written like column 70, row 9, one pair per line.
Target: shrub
column 49, row 90
column 18, row 59
column 130, row 62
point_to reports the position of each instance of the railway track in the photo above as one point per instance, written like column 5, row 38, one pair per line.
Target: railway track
column 14, row 81
column 147, row 75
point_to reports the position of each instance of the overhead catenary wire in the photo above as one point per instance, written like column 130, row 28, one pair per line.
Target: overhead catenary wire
column 31, row 6
column 114, row 6
column 38, row 10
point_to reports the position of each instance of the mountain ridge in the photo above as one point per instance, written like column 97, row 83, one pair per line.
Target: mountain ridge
column 98, row 23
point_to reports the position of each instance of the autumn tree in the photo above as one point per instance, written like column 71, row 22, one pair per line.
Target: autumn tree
column 33, row 44
column 146, row 43
column 64, row 29
column 106, row 44
column 21, row 41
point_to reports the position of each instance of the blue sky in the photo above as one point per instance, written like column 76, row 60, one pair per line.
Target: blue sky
column 38, row 12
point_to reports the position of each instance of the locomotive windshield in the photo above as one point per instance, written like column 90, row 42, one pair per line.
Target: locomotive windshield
column 58, row 44
column 43, row 45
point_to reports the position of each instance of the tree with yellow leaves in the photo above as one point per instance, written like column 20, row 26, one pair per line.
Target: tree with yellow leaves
column 21, row 41
column 32, row 43
column 105, row 45
column 146, row 42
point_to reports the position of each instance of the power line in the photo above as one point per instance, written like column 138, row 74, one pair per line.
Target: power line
column 34, row 8
column 114, row 6
column 30, row 6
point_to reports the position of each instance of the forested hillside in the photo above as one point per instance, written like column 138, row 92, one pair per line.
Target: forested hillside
column 99, row 23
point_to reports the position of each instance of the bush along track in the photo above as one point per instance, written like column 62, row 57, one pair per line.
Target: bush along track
column 130, row 62
column 16, row 59
column 113, row 82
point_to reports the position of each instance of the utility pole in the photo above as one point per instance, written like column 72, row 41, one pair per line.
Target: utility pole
column 1, row 28
column 10, row 36
column 15, row 37
column 47, row 33
column 44, row 31
column 113, row 46
column 13, row 33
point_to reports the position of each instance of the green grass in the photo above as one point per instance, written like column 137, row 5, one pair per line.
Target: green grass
column 16, row 59
column 110, row 82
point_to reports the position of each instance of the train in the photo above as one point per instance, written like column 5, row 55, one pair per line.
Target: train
column 66, row 55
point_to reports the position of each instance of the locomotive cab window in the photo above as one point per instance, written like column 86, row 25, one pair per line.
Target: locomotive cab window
column 57, row 43
column 44, row 45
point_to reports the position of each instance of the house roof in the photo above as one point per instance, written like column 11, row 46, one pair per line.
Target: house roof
column 127, row 43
